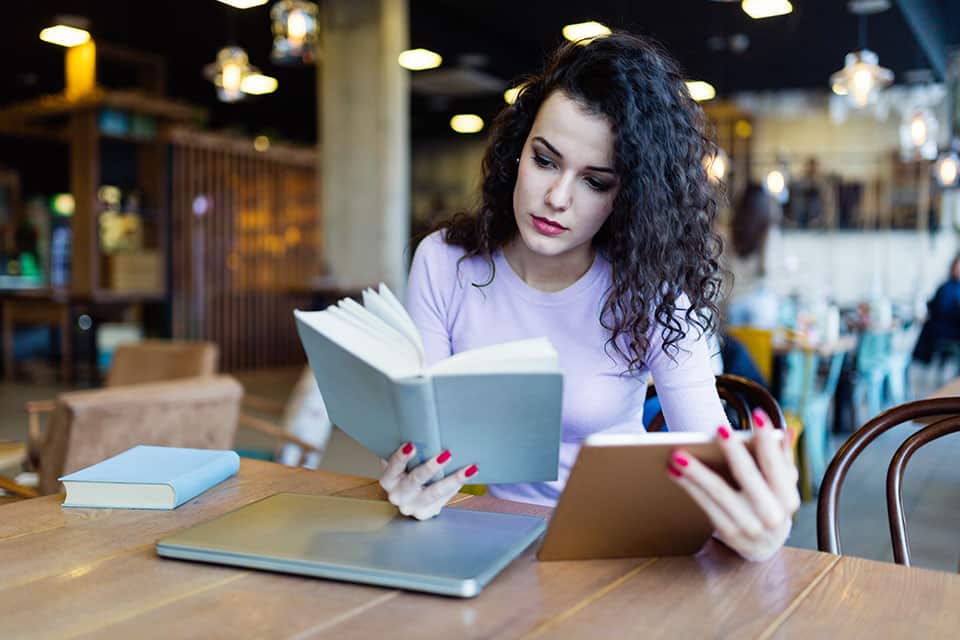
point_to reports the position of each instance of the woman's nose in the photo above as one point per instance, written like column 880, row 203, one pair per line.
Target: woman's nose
column 559, row 195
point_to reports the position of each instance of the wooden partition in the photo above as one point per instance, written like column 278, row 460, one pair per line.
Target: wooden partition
column 246, row 244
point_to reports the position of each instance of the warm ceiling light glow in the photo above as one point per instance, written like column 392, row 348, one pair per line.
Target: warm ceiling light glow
column 244, row 4
column 257, row 84
column 862, row 77
column 511, row 94
column 776, row 182
column 585, row 31
column 717, row 166
column 758, row 9
column 466, row 123
column 947, row 169
column 743, row 129
column 419, row 59
column 65, row 36
column 700, row 90
column 261, row 143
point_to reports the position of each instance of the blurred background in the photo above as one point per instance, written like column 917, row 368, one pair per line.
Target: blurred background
column 194, row 171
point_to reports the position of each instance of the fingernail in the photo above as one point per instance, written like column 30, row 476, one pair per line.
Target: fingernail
column 676, row 473
column 472, row 469
column 757, row 419
column 407, row 449
column 724, row 432
column 443, row 457
column 680, row 460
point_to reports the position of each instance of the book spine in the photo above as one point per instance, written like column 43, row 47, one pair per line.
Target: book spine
column 416, row 409
column 190, row 485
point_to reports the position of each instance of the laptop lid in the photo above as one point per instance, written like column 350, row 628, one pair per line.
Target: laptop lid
column 456, row 553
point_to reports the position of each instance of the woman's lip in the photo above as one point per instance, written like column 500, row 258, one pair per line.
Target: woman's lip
column 549, row 222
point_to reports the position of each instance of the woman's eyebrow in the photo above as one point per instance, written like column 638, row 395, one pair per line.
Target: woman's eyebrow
column 554, row 151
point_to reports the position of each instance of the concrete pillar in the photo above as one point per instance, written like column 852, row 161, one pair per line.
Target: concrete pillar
column 364, row 139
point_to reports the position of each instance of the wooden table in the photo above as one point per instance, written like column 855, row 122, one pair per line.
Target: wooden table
column 94, row 573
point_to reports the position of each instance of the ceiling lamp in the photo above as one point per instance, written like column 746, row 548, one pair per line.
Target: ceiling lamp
column 244, row 4
column 69, row 31
column 466, row 123
column 701, row 91
column 717, row 166
column 257, row 84
column 918, row 135
column 228, row 72
column 862, row 77
column 758, row 9
column 295, row 32
column 419, row 59
column 584, row 32
column 510, row 95
column 947, row 169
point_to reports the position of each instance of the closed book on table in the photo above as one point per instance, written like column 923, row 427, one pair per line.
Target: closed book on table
column 148, row 477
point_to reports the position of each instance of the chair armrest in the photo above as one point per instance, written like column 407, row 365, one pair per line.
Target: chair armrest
column 34, row 409
column 272, row 430
column 258, row 403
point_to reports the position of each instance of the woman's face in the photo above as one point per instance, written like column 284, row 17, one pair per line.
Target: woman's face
column 566, row 183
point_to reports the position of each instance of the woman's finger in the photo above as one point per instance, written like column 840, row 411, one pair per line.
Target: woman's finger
column 775, row 466
column 721, row 520
column 752, row 483
column 738, row 509
column 413, row 482
column 434, row 497
column 397, row 466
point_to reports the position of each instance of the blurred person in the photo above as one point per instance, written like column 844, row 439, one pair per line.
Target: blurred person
column 751, row 300
column 595, row 229
column 940, row 335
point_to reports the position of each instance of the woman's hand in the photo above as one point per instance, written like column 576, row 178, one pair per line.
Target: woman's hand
column 755, row 520
column 408, row 489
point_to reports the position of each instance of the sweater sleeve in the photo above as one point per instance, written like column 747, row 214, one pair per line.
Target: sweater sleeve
column 686, row 385
column 429, row 295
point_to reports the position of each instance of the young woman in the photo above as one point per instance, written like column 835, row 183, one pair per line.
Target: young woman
column 594, row 230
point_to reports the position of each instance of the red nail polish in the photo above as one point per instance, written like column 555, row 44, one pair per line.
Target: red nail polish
column 724, row 432
column 757, row 419
column 472, row 469
column 407, row 448
column 680, row 460
column 676, row 473
column 443, row 457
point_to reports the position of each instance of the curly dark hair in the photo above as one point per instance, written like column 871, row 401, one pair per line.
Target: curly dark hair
column 659, row 237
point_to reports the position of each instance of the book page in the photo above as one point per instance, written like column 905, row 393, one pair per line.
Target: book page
column 337, row 325
column 535, row 355
column 389, row 334
column 385, row 305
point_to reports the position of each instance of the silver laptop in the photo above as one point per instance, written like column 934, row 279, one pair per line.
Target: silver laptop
column 456, row 553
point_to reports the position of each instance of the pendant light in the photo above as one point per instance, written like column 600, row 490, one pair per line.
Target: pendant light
column 295, row 31
column 862, row 77
column 228, row 73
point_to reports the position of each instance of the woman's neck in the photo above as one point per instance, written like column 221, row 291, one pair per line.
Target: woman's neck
column 547, row 273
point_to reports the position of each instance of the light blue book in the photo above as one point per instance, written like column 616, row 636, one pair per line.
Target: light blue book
column 147, row 477
column 498, row 407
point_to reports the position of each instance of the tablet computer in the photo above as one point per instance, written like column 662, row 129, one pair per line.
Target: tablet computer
column 619, row 500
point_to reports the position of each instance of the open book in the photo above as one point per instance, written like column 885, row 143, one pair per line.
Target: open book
column 497, row 407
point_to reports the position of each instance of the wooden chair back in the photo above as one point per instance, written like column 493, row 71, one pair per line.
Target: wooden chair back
column 828, row 536
column 741, row 395
column 157, row 360
column 90, row 426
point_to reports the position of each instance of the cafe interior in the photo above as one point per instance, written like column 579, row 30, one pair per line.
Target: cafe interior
column 176, row 178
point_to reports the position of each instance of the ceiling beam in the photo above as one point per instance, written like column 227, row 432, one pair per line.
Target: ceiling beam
column 928, row 23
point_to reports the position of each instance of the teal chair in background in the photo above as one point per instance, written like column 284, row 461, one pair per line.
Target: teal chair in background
column 805, row 394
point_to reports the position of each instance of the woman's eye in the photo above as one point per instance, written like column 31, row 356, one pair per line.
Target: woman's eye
column 542, row 161
column 598, row 185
